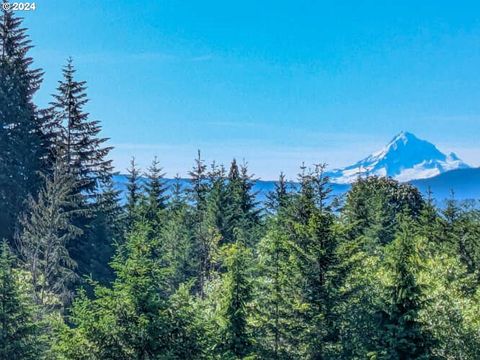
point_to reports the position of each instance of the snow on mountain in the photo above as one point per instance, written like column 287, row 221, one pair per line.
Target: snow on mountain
column 405, row 158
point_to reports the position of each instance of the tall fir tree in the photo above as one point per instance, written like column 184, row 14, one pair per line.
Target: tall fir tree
column 206, row 235
column 404, row 335
column 155, row 192
column 276, row 295
column 242, row 213
column 85, row 154
column 277, row 198
column 21, row 136
column 316, row 260
column 47, row 232
column 237, row 288
column 199, row 183
column 106, row 232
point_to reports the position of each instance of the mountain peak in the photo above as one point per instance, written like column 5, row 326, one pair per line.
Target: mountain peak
column 404, row 135
column 404, row 158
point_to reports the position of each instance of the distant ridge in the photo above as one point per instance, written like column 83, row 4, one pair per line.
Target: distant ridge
column 404, row 158
column 463, row 183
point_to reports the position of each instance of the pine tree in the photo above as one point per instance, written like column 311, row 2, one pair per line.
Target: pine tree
column 241, row 211
column 236, row 341
column 276, row 295
column 429, row 222
column 372, row 206
column 47, row 232
column 309, row 225
column 84, row 151
column 85, row 154
column 155, row 192
column 134, row 194
column 21, row 137
column 278, row 197
column 404, row 335
column 135, row 318
column 199, row 184
column 206, row 234
column 19, row 331
column 105, row 232
column 177, row 245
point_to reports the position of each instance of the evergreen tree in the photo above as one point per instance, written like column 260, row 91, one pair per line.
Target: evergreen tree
column 177, row 239
column 405, row 337
column 372, row 206
column 459, row 232
column 315, row 255
column 84, row 151
column 241, row 212
column 47, row 232
column 134, row 194
column 278, row 197
column 105, row 232
column 199, row 184
column 85, row 154
column 135, row 319
column 19, row 331
column 236, row 341
column 155, row 188
column 21, row 138
column 276, row 295
column 206, row 235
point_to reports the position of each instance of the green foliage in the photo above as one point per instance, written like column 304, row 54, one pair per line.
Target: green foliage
column 19, row 331
column 155, row 191
column 277, row 297
column 404, row 335
column 47, row 231
column 136, row 318
column 372, row 206
column 237, row 292
column 22, row 144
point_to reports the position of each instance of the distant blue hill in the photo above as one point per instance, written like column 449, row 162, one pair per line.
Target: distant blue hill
column 465, row 184
column 261, row 187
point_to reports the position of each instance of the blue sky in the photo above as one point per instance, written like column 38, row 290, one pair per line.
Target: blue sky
column 272, row 82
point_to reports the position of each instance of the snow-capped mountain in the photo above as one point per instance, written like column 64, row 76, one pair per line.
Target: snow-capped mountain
column 405, row 158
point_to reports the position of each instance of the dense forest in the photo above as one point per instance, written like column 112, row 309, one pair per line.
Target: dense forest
column 204, row 271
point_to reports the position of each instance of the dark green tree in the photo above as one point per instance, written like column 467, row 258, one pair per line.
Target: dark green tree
column 241, row 212
column 310, row 226
column 106, row 232
column 206, row 234
column 372, row 206
column 86, row 157
column 134, row 193
column 237, row 290
column 21, row 136
column 155, row 188
column 137, row 318
column 84, row 151
column 276, row 294
column 404, row 335
column 177, row 239
column 278, row 197
column 47, row 231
